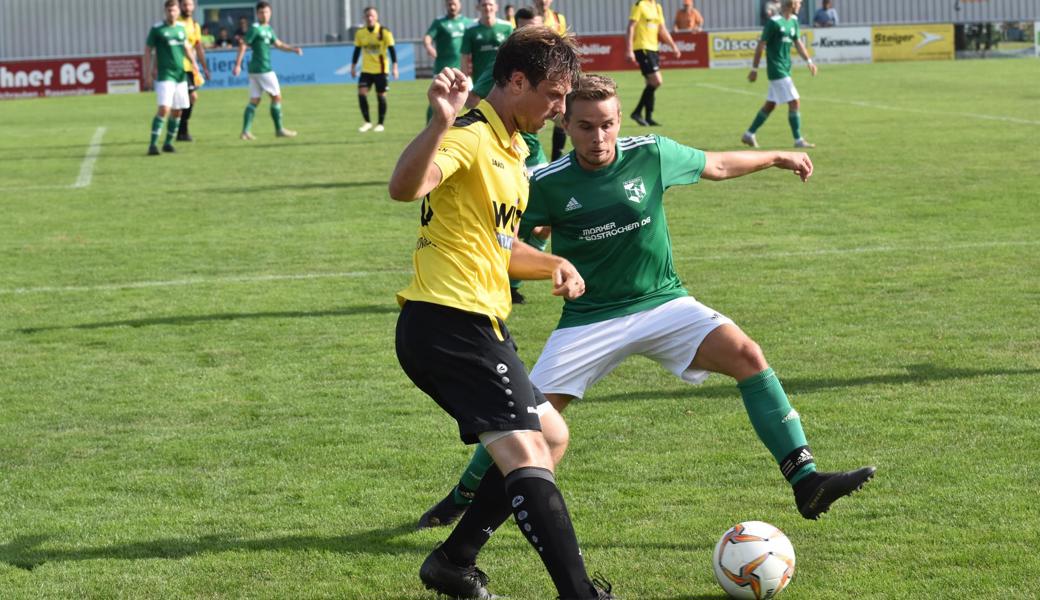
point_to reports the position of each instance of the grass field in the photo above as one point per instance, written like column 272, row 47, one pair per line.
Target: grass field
column 199, row 396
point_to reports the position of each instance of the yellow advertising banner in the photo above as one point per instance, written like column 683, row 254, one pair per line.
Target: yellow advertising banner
column 737, row 48
column 913, row 42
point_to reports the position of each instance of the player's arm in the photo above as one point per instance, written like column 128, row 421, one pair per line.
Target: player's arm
column 528, row 263
column 416, row 173
column 428, row 42
column 630, row 35
column 467, row 64
column 664, row 36
column 200, row 55
column 719, row 166
column 238, row 58
column 190, row 52
column 799, row 45
column 146, row 68
column 288, row 48
column 759, row 49
column 392, row 51
column 354, row 59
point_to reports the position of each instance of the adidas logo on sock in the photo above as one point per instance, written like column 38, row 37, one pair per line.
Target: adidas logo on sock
column 791, row 416
column 572, row 205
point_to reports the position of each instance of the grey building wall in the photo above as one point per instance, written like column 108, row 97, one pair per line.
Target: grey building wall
column 53, row 28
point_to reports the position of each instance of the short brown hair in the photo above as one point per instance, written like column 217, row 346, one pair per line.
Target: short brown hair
column 592, row 87
column 170, row 3
column 263, row 4
column 539, row 53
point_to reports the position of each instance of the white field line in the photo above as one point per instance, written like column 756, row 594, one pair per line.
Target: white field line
column 970, row 115
column 86, row 170
column 736, row 255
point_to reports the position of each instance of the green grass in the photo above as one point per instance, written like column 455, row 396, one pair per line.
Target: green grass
column 175, row 423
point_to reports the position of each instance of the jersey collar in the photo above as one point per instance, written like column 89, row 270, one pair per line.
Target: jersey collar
column 497, row 126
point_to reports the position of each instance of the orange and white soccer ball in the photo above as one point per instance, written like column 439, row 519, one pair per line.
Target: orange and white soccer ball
column 753, row 560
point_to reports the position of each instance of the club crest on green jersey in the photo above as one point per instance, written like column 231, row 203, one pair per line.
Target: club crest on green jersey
column 635, row 190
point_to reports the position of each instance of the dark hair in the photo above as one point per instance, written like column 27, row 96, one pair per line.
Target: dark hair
column 170, row 3
column 524, row 13
column 592, row 87
column 368, row 8
column 263, row 4
column 539, row 53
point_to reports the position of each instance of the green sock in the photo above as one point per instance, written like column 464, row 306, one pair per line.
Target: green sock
column 760, row 120
column 276, row 116
column 475, row 470
column 795, row 119
column 777, row 424
column 156, row 130
column 172, row 125
column 247, row 119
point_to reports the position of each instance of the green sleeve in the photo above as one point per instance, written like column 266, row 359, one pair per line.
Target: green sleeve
column 680, row 165
column 483, row 85
column 250, row 36
column 150, row 42
column 767, row 31
column 466, row 43
column 537, row 212
column 274, row 37
column 432, row 31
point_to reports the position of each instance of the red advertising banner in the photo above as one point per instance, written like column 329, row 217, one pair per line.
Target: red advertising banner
column 70, row 77
column 607, row 53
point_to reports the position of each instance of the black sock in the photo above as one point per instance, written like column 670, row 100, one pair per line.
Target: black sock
column 490, row 508
column 541, row 513
column 642, row 102
column 382, row 108
column 185, row 115
column 649, row 94
column 363, row 101
column 558, row 142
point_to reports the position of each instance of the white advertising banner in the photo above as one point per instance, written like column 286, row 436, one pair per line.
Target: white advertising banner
column 842, row 45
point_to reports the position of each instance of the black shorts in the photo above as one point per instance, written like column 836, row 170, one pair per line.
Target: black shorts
column 649, row 61
column 379, row 80
column 460, row 361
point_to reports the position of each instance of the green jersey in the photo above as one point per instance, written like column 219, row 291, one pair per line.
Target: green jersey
column 482, row 42
column 779, row 35
column 260, row 38
column 611, row 225
column 168, row 41
column 446, row 34
column 534, row 145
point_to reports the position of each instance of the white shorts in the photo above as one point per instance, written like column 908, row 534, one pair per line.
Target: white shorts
column 576, row 357
column 782, row 91
column 264, row 82
column 172, row 94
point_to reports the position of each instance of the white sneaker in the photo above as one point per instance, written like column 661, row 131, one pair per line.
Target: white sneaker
column 365, row 127
column 286, row 133
column 379, row 128
column 801, row 143
column 247, row 136
column 749, row 139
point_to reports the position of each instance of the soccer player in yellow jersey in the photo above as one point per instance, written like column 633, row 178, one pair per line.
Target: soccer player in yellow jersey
column 376, row 43
column 191, row 27
column 451, row 337
column 646, row 28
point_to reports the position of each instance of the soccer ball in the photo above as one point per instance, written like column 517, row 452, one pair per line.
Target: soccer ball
column 753, row 560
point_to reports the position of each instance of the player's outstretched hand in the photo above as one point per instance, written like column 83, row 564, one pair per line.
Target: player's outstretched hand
column 813, row 68
column 567, row 282
column 448, row 94
column 798, row 162
column 752, row 75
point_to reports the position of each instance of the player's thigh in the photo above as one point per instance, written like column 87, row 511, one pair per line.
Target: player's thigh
column 164, row 93
column 518, row 449
column 574, row 358
column 673, row 334
column 256, row 89
column 468, row 364
column 782, row 91
column 181, row 98
column 730, row 351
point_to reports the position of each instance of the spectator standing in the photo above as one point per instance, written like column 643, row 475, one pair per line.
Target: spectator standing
column 827, row 16
column 510, row 14
column 223, row 39
column 242, row 31
column 688, row 19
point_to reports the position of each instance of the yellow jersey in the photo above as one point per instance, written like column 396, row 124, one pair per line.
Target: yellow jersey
column 194, row 37
column 649, row 18
column 467, row 224
column 373, row 46
column 555, row 21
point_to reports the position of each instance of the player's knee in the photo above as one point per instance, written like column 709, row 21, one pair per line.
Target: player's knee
column 751, row 358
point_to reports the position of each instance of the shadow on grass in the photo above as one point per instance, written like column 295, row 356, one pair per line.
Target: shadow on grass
column 796, row 385
column 194, row 319
column 23, row 553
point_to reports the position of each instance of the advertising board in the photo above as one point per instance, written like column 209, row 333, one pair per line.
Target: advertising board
column 913, row 42
column 841, row 45
column 607, row 53
column 736, row 49
column 319, row 64
column 70, row 77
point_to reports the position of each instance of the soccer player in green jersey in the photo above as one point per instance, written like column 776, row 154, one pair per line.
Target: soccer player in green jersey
column 260, row 38
column 604, row 202
column 480, row 45
column 780, row 33
column 168, row 39
column 443, row 40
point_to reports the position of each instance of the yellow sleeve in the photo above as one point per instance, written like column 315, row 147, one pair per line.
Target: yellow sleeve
column 563, row 23
column 458, row 151
column 388, row 39
column 635, row 13
column 357, row 37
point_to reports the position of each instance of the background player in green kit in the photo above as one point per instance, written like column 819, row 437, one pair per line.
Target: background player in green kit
column 604, row 202
column 443, row 40
column 780, row 33
column 480, row 45
column 168, row 39
column 260, row 38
